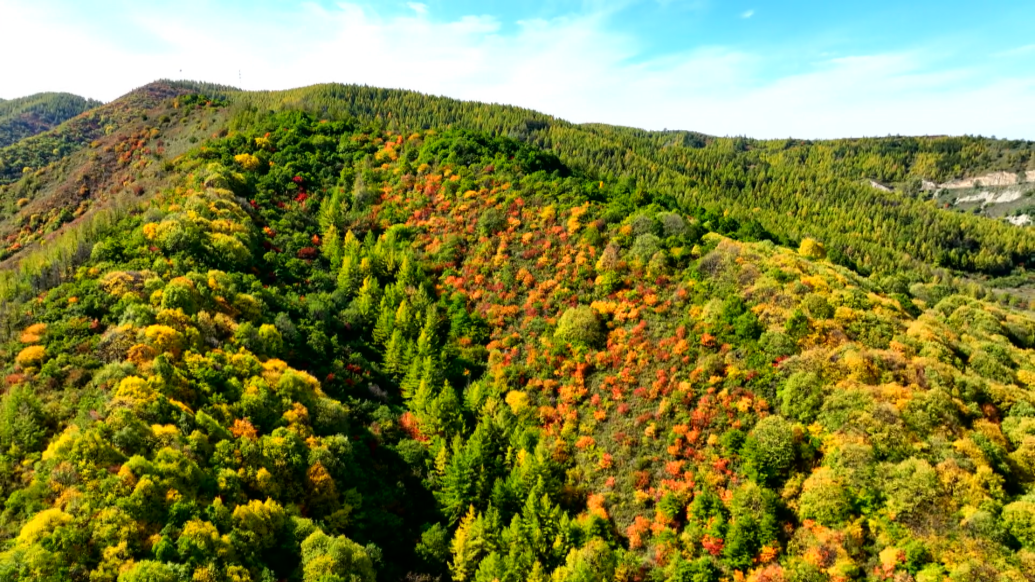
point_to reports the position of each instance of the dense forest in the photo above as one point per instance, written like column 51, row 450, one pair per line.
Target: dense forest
column 348, row 334
column 28, row 116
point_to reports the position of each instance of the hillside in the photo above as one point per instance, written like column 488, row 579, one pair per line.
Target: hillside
column 309, row 340
column 793, row 189
column 27, row 116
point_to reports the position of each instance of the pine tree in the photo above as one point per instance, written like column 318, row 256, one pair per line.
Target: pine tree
column 403, row 318
column 468, row 547
column 369, row 298
column 332, row 248
column 411, row 382
column 332, row 211
column 385, row 325
column 445, row 411
column 395, row 355
column 458, row 481
column 409, row 275
column 348, row 275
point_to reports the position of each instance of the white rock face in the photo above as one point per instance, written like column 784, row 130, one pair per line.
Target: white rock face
column 993, row 179
column 993, row 198
column 879, row 186
column 1021, row 220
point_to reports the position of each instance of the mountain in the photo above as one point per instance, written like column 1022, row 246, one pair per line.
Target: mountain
column 28, row 116
column 345, row 333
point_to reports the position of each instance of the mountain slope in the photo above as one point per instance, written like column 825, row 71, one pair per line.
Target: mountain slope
column 324, row 349
column 27, row 116
column 792, row 189
column 110, row 157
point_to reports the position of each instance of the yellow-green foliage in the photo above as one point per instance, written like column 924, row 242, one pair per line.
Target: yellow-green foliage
column 248, row 161
column 30, row 356
column 812, row 248
column 41, row 525
column 164, row 339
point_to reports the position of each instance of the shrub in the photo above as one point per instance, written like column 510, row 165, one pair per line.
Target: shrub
column 30, row 356
column 818, row 307
column 248, row 161
column 645, row 246
column 812, row 249
column 671, row 224
column 770, row 448
column 823, row 499
column 911, row 488
column 33, row 333
column 22, row 422
column 801, row 396
column 1019, row 519
column 580, row 325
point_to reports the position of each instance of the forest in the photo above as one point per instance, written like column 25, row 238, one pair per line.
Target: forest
column 28, row 116
column 351, row 334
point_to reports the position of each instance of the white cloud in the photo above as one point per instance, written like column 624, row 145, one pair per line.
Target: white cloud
column 418, row 7
column 747, row 14
column 573, row 67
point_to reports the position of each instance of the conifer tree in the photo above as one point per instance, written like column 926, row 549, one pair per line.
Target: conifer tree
column 395, row 355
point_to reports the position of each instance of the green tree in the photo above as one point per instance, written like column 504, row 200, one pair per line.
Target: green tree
column 335, row 559
column 770, row 449
column 22, row 420
column 801, row 396
column 581, row 326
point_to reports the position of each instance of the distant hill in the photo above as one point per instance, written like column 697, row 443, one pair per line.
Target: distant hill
column 27, row 116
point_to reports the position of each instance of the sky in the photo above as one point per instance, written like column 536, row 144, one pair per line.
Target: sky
column 758, row 68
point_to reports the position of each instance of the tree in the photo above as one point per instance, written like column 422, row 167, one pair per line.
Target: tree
column 801, row 396
column 335, row 559
column 331, row 247
column 824, row 499
column 580, row 326
column 699, row 570
column 911, row 487
column 1019, row 519
column 812, row 249
column 770, row 449
column 469, row 546
column 149, row 571
column 22, row 422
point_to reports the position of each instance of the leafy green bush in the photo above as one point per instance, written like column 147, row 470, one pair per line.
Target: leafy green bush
column 581, row 326
column 770, row 449
column 801, row 396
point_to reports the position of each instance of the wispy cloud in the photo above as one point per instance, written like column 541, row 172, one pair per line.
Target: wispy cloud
column 418, row 7
column 1028, row 49
column 574, row 66
column 747, row 14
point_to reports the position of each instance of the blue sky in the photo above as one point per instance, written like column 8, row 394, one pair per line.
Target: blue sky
column 743, row 67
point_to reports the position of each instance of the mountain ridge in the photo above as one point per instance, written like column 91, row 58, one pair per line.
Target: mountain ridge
column 688, row 171
column 27, row 116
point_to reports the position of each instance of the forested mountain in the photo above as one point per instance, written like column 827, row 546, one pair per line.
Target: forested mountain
column 344, row 333
column 27, row 116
